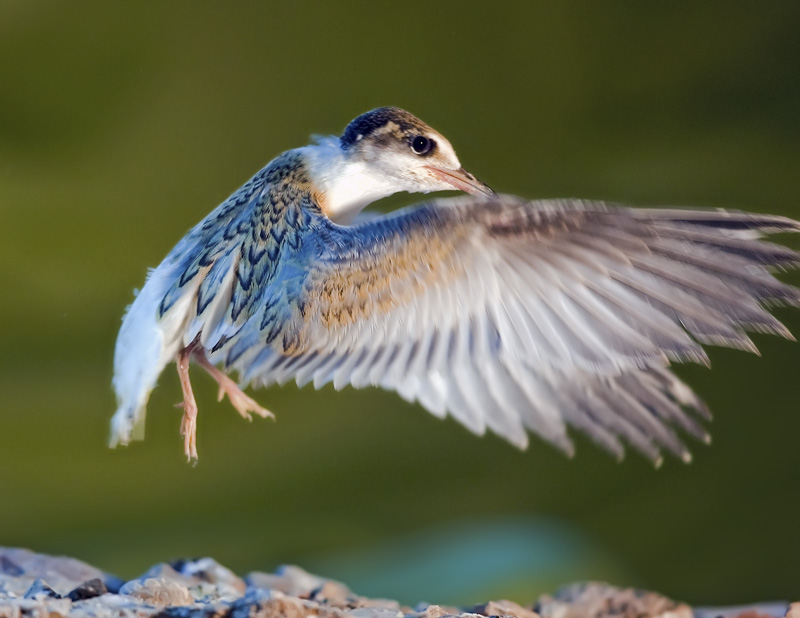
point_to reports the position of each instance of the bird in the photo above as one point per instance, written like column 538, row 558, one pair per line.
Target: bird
column 511, row 315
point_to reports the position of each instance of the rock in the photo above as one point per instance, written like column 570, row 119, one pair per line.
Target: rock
column 504, row 608
column 288, row 579
column 436, row 611
column 278, row 605
column 375, row 612
column 209, row 570
column 113, row 583
column 762, row 610
column 8, row 567
column 39, row 588
column 599, row 600
column 205, row 589
column 88, row 590
column 158, row 591
column 37, row 608
column 751, row 613
column 108, row 606
column 21, row 567
column 376, row 603
column 288, row 607
column 204, row 578
column 333, row 593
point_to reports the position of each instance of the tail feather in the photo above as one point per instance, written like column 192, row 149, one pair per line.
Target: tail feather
column 145, row 345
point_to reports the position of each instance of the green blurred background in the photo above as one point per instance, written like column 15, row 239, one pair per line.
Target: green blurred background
column 122, row 124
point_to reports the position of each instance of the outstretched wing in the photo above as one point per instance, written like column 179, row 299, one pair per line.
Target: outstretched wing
column 515, row 315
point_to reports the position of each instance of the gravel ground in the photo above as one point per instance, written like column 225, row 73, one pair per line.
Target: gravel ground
column 41, row 586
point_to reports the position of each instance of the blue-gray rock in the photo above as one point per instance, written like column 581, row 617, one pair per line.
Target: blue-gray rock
column 39, row 589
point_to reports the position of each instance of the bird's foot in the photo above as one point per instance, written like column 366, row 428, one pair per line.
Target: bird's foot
column 243, row 403
column 189, row 421
column 189, row 433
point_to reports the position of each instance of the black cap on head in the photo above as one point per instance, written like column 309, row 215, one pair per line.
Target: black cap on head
column 368, row 123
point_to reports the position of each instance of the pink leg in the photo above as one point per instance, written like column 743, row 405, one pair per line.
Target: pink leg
column 244, row 405
column 189, row 422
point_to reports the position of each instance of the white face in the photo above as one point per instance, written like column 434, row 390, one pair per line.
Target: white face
column 406, row 155
column 410, row 171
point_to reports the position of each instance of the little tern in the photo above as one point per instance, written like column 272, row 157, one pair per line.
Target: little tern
column 510, row 315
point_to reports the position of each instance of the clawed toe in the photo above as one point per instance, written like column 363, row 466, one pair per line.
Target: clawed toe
column 245, row 405
column 189, row 433
column 242, row 403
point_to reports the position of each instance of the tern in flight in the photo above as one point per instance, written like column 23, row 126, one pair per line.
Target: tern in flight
column 507, row 314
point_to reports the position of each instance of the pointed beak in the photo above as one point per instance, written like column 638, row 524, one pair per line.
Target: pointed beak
column 462, row 180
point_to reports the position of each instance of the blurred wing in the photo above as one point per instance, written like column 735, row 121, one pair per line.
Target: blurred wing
column 517, row 315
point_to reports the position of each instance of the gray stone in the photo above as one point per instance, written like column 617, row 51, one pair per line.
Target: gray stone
column 435, row 611
column 288, row 579
column 205, row 589
column 204, row 578
column 210, row 571
column 505, row 608
column 601, row 600
column 39, row 589
column 375, row 612
column 333, row 593
column 761, row 610
column 376, row 603
column 282, row 606
column 21, row 567
column 8, row 567
column 112, row 606
column 158, row 591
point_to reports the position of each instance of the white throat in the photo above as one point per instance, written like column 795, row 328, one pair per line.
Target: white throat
column 347, row 186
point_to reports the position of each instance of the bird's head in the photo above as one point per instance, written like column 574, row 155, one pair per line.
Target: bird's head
column 382, row 152
column 393, row 144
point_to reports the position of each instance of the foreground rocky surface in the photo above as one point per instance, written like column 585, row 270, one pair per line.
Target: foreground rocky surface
column 40, row 586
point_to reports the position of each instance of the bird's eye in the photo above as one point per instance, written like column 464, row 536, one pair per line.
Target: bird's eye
column 422, row 145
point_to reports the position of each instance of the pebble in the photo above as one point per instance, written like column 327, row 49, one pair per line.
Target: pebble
column 40, row 586
column 39, row 589
column 288, row 579
column 20, row 568
column 87, row 590
column 158, row 591
column 603, row 601
column 205, row 579
column 505, row 608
